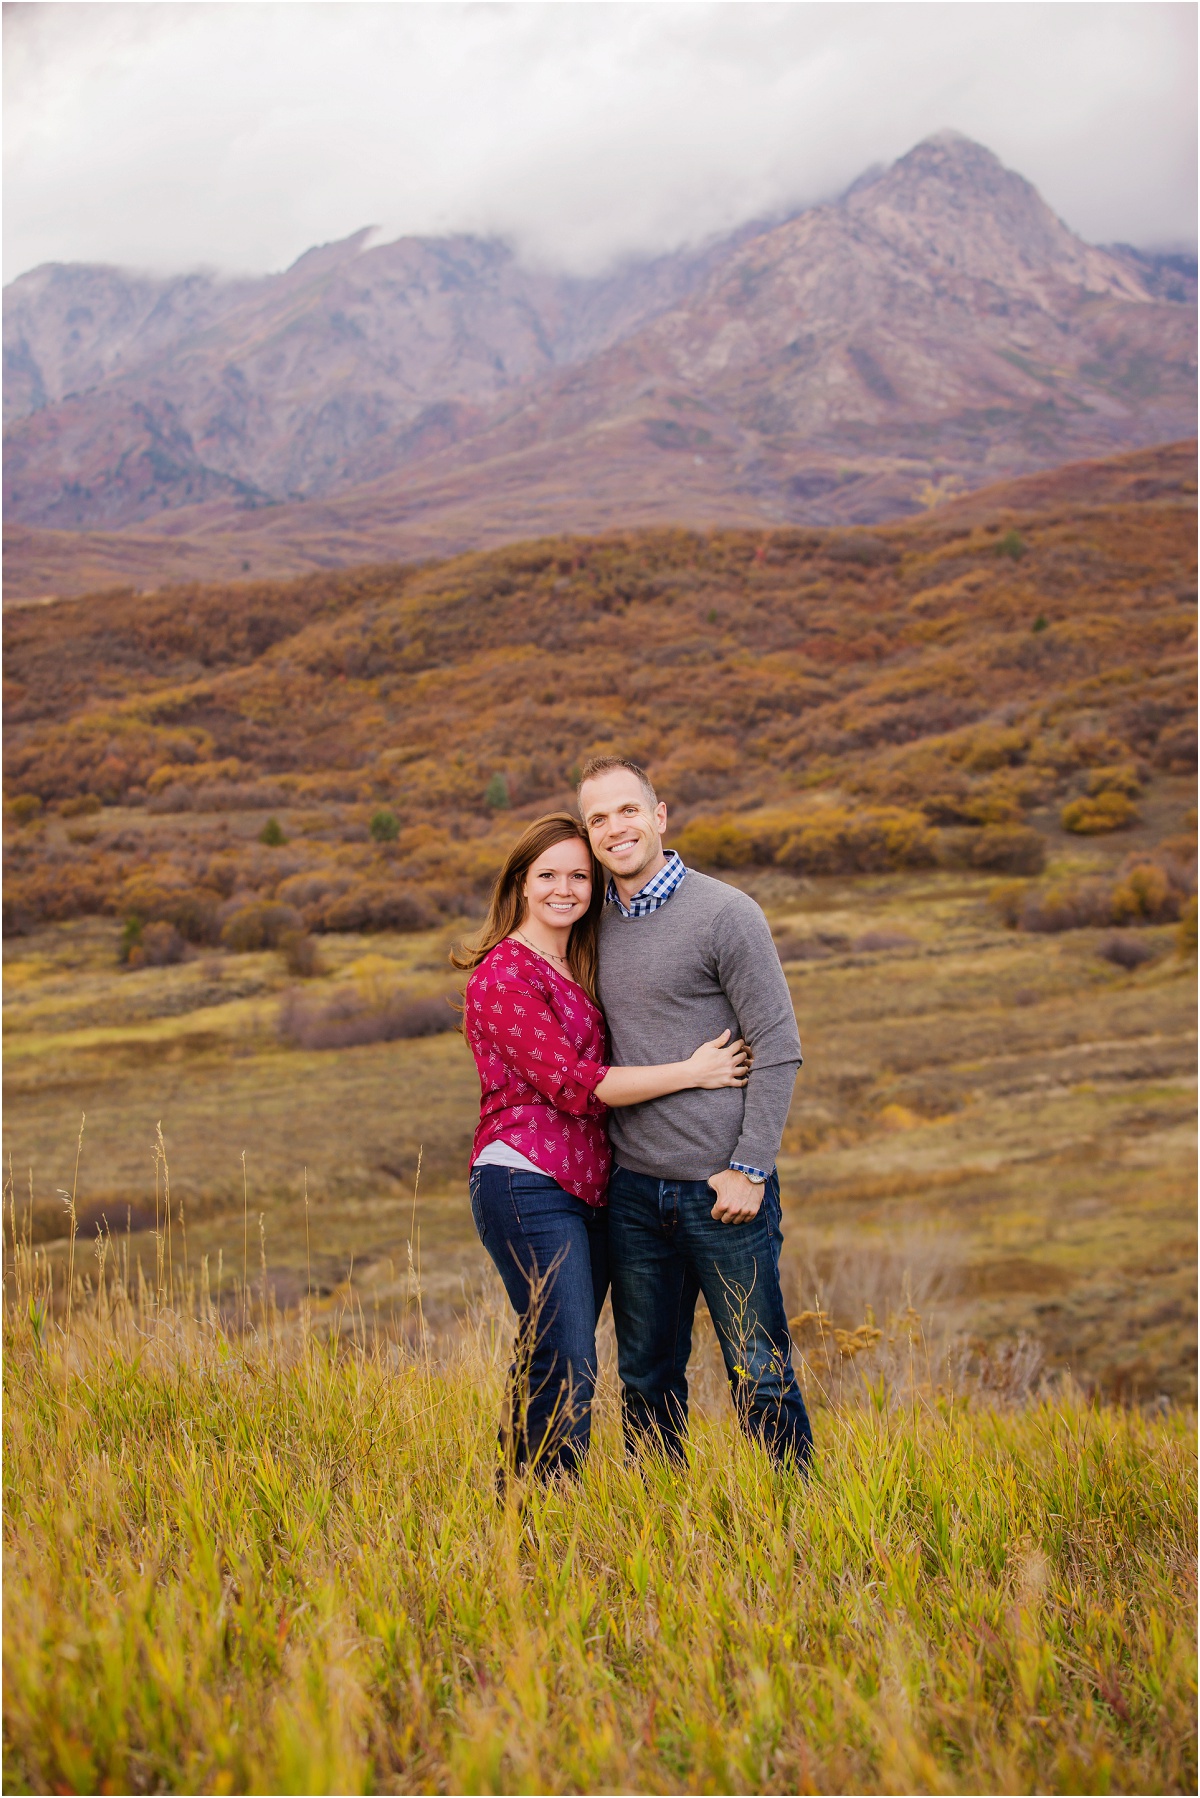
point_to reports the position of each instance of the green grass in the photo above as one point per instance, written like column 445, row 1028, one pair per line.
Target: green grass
column 277, row 1563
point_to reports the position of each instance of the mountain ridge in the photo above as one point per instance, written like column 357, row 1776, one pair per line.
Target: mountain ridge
column 936, row 327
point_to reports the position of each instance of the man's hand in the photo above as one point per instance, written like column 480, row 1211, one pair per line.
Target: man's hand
column 738, row 1197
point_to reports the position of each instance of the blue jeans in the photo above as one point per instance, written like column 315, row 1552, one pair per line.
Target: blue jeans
column 666, row 1249
column 551, row 1251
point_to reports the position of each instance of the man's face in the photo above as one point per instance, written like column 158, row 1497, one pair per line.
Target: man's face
column 624, row 830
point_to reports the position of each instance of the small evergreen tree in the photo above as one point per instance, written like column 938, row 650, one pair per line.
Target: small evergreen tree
column 497, row 795
column 131, row 937
column 385, row 826
column 272, row 834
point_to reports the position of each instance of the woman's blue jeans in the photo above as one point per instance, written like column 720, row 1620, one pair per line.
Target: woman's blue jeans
column 551, row 1251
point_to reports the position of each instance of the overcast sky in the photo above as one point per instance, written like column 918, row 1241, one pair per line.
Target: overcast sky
column 235, row 136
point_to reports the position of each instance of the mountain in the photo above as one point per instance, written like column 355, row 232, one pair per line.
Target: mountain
column 935, row 328
column 354, row 361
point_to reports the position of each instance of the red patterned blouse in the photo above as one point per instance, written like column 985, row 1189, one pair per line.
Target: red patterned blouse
column 539, row 1043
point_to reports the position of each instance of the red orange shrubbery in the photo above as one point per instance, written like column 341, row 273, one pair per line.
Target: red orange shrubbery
column 377, row 715
column 1146, row 890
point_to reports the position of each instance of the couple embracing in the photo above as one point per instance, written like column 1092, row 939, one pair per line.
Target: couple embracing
column 637, row 1049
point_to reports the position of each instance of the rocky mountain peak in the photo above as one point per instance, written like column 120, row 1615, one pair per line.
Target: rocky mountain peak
column 953, row 202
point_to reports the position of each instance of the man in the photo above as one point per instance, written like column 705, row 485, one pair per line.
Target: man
column 683, row 957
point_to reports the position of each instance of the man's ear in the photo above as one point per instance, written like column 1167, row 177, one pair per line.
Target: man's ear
column 660, row 816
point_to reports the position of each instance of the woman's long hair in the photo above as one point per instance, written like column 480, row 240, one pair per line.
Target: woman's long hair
column 508, row 908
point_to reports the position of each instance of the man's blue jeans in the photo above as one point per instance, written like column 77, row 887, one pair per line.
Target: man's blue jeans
column 551, row 1251
column 665, row 1249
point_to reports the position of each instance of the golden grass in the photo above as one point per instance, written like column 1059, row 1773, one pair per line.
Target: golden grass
column 272, row 1559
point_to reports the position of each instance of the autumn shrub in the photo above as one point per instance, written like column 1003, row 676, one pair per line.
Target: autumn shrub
column 202, row 772
column 834, row 841
column 1108, row 810
column 978, row 780
column 989, row 748
column 1144, row 894
column 1066, row 905
column 1175, row 748
column 1145, row 890
column 1125, row 950
column 300, row 954
column 191, row 909
column 1185, row 936
column 1120, row 779
column 24, row 808
column 790, row 947
column 157, row 946
column 349, row 1018
column 995, row 802
column 715, row 843
column 177, row 796
column 374, row 906
column 1007, row 849
column 82, row 806
column 1007, row 901
column 314, row 889
column 259, row 925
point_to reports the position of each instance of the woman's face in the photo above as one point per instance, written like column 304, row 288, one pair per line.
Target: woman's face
column 558, row 886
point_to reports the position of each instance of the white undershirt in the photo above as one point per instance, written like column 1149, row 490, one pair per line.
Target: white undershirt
column 502, row 1154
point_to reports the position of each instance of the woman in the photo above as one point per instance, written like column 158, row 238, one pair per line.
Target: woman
column 540, row 1160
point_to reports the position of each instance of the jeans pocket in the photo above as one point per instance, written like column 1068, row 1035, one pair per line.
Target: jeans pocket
column 529, row 1195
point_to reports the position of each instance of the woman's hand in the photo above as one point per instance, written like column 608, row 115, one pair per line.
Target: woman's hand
column 721, row 1063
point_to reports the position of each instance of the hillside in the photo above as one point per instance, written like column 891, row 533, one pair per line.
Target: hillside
column 969, row 675
column 935, row 328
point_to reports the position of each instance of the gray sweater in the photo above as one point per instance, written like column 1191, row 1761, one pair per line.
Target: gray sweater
column 702, row 963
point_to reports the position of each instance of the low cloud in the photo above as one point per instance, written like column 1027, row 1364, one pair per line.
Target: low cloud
column 236, row 136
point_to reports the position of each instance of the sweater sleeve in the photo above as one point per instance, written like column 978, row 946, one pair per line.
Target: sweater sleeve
column 523, row 1031
column 755, row 985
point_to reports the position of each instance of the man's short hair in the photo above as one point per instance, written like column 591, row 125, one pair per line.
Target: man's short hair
column 609, row 764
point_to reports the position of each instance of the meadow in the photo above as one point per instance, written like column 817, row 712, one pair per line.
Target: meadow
column 253, row 1348
column 998, row 1122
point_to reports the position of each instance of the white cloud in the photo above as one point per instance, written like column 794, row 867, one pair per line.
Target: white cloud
column 237, row 135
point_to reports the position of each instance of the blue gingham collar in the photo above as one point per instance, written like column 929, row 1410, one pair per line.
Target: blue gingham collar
column 656, row 892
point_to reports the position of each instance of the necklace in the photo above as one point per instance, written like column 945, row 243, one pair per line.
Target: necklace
column 547, row 953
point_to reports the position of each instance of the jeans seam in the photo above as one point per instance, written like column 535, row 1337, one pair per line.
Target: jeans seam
column 512, row 1199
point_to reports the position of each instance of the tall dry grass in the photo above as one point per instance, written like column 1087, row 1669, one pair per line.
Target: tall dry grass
column 250, row 1553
